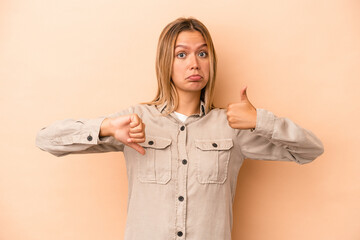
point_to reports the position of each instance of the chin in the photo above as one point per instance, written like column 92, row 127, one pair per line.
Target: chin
column 194, row 87
column 195, row 90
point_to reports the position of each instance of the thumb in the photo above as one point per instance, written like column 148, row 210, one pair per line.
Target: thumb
column 137, row 147
column 243, row 95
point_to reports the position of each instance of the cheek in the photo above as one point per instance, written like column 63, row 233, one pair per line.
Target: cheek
column 207, row 68
column 175, row 67
column 177, row 70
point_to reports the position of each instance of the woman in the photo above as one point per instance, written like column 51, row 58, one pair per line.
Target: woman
column 182, row 154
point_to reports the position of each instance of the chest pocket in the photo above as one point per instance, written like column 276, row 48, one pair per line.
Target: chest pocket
column 212, row 160
column 155, row 165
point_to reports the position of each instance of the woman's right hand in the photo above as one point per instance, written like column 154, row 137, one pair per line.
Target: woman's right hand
column 128, row 129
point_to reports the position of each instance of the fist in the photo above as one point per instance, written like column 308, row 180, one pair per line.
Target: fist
column 130, row 130
column 241, row 115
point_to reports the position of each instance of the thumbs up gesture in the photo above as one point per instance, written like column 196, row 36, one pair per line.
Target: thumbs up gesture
column 242, row 115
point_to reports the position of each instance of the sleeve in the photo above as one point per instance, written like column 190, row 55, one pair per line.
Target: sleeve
column 279, row 139
column 77, row 136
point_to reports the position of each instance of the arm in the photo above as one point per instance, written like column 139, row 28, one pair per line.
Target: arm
column 279, row 139
column 271, row 137
column 103, row 134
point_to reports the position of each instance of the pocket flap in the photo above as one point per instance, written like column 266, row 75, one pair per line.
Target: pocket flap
column 216, row 144
column 156, row 142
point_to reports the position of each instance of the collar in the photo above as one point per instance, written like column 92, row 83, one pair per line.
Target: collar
column 162, row 107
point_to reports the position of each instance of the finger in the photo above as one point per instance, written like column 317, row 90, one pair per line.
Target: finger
column 230, row 106
column 137, row 135
column 243, row 95
column 227, row 107
column 135, row 120
column 137, row 147
column 137, row 129
column 136, row 140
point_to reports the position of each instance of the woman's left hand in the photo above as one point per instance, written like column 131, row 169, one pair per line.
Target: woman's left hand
column 242, row 115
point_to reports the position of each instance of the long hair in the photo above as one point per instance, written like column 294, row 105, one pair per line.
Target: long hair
column 166, row 93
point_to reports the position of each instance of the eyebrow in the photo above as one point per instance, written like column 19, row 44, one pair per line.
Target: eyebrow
column 184, row 46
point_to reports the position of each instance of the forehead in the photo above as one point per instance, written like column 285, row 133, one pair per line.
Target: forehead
column 190, row 38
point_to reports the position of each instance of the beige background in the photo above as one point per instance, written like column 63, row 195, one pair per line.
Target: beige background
column 83, row 59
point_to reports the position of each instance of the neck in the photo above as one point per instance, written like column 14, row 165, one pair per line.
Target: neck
column 189, row 103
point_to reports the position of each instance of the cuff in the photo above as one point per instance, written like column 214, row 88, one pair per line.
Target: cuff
column 88, row 134
column 94, row 130
column 265, row 122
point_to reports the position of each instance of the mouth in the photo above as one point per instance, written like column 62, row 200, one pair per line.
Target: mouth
column 195, row 77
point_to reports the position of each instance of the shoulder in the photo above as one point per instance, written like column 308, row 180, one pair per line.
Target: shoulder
column 216, row 116
column 139, row 109
column 217, row 112
column 143, row 109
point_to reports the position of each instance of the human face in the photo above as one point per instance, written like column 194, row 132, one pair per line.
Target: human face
column 190, row 70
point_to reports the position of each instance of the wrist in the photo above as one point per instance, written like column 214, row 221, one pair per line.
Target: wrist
column 105, row 129
column 254, row 120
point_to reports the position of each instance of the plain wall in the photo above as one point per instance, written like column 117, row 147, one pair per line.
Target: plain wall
column 84, row 59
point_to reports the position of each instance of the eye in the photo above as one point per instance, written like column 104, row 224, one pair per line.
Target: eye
column 181, row 55
column 203, row 54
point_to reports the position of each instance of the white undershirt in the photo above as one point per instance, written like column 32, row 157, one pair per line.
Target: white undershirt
column 181, row 117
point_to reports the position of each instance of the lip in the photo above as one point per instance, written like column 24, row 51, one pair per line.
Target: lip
column 195, row 77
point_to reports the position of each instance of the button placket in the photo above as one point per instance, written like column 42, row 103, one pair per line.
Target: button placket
column 181, row 182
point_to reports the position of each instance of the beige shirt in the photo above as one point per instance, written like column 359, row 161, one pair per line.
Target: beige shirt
column 184, row 186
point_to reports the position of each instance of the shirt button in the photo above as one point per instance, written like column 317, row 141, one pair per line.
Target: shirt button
column 214, row 145
column 151, row 142
column 182, row 128
column 179, row 233
column 89, row 138
column 184, row 161
column 181, row 198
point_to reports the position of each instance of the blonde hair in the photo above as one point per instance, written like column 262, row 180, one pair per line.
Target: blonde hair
column 166, row 92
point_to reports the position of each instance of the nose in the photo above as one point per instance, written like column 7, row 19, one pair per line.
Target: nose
column 194, row 62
